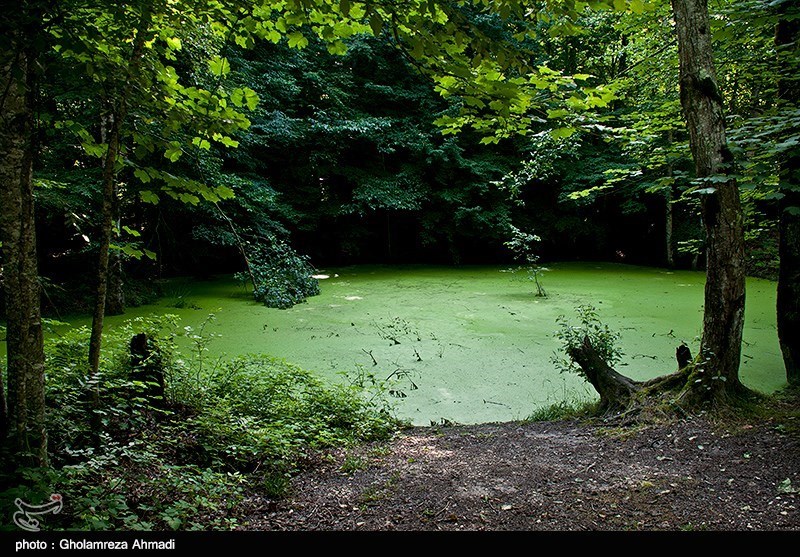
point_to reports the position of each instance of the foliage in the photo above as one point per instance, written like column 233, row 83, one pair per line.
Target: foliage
column 602, row 338
column 282, row 277
column 267, row 413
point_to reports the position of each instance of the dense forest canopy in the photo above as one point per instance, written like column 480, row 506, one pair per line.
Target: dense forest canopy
column 156, row 138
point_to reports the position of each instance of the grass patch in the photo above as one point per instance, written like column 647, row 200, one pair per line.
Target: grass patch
column 564, row 410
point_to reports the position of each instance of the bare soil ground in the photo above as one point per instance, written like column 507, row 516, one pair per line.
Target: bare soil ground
column 558, row 476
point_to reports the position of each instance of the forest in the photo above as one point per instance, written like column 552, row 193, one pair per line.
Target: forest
column 257, row 255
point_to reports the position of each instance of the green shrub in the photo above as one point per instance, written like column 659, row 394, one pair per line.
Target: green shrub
column 602, row 338
column 263, row 413
column 281, row 276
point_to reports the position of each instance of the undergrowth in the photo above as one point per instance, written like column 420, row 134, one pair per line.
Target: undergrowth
column 184, row 460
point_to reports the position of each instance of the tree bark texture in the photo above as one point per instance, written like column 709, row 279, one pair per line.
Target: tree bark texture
column 787, row 42
column 717, row 372
column 669, row 193
column 25, row 351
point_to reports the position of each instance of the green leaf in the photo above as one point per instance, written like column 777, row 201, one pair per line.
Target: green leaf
column 560, row 133
column 148, row 197
column 142, row 175
column 224, row 192
column 337, row 48
column 228, row 142
column 297, row 40
column 174, row 43
column 376, row 23
column 131, row 231
column 219, row 66
column 557, row 113
column 250, row 98
column 201, row 143
column 173, row 152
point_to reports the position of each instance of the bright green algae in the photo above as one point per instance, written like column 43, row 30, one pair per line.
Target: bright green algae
column 474, row 341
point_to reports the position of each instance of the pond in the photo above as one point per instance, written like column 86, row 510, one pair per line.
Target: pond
column 472, row 344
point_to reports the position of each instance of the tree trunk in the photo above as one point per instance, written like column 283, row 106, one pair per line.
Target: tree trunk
column 109, row 190
column 717, row 370
column 106, row 231
column 787, row 41
column 670, row 254
column 25, row 351
column 115, row 297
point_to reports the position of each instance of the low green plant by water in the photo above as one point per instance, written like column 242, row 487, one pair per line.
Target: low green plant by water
column 604, row 341
column 563, row 410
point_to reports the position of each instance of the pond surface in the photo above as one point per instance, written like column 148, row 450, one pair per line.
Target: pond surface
column 472, row 344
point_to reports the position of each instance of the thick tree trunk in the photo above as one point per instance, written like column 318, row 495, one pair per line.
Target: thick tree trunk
column 25, row 352
column 787, row 41
column 717, row 370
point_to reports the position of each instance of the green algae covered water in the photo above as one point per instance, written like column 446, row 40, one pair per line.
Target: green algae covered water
column 472, row 344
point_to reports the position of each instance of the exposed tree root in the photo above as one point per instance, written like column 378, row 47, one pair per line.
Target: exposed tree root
column 624, row 400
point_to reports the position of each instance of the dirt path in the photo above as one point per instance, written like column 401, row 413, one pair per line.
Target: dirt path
column 551, row 476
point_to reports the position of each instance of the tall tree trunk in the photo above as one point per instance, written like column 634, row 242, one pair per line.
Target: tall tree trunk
column 114, row 132
column 787, row 41
column 717, row 371
column 106, row 232
column 115, row 297
column 25, row 351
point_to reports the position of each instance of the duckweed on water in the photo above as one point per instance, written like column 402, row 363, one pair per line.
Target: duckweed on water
column 474, row 344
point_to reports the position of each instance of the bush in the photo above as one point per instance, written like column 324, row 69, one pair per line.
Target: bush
column 263, row 413
column 281, row 276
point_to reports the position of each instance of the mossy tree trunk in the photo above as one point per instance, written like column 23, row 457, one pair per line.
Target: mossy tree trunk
column 25, row 351
column 716, row 374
